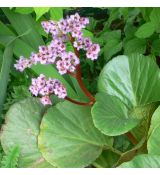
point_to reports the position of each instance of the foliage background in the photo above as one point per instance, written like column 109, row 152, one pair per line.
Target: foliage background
column 118, row 31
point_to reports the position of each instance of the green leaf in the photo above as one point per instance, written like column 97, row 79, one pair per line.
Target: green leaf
column 68, row 137
column 154, row 132
column 56, row 13
column 146, row 11
column 143, row 161
column 155, row 47
column 113, row 43
column 87, row 33
column 21, row 129
column 1, row 58
column 109, row 111
column 111, row 48
column 11, row 159
column 146, row 30
column 135, row 46
column 111, row 35
column 23, row 23
column 155, row 18
column 5, row 30
column 106, row 160
column 40, row 11
column 4, row 74
column 130, row 84
column 24, row 10
column 129, row 30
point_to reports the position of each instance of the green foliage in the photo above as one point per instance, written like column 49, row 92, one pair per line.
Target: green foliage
column 21, row 129
column 56, row 13
column 155, row 18
column 10, row 160
column 30, row 43
column 71, row 138
column 153, row 135
column 130, row 89
column 19, row 93
column 146, row 30
column 24, row 10
column 143, row 161
column 40, row 11
column 121, row 129
column 4, row 74
column 135, row 46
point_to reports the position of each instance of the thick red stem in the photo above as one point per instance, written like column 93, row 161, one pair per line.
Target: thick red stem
column 79, row 76
column 80, row 82
column 131, row 138
column 79, row 103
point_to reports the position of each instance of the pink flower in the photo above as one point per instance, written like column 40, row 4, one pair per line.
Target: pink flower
column 60, row 90
column 78, row 44
column 93, row 51
column 67, row 63
column 22, row 64
column 87, row 43
column 45, row 100
column 43, row 87
column 62, row 67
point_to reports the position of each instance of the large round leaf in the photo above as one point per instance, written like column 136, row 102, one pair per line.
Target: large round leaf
column 21, row 129
column 110, row 115
column 68, row 137
column 130, row 84
column 133, row 79
column 143, row 161
column 153, row 143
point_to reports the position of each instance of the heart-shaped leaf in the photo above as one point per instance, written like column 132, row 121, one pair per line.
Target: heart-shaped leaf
column 22, row 129
column 130, row 84
column 143, row 161
column 68, row 137
column 154, row 134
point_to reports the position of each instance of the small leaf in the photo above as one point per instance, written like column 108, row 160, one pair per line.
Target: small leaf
column 11, row 159
column 68, row 137
column 56, row 13
column 135, row 46
column 111, row 48
column 111, row 35
column 87, row 33
column 146, row 30
column 155, row 18
column 40, row 11
column 156, row 47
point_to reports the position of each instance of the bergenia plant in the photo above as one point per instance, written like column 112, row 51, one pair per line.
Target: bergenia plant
column 119, row 123
column 63, row 31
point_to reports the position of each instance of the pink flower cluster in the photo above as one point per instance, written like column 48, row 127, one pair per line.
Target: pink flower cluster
column 73, row 25
column 63, row 31
column 55, row 52
column 43, row 87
